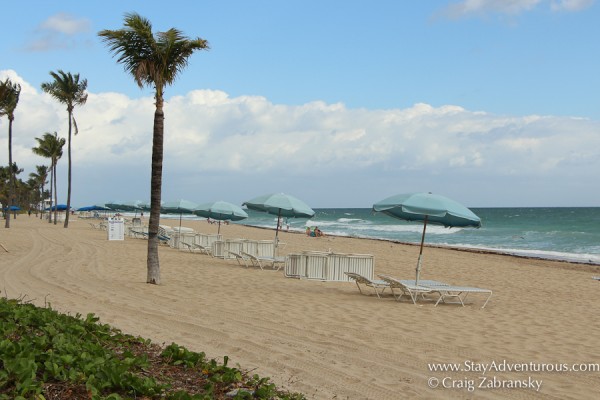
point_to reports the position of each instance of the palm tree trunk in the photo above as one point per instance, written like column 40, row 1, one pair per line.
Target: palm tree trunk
column 69, row 183
column 11, row 179
column 42, row 201
column 55, row 198
column 51, row 190
column 155, row 194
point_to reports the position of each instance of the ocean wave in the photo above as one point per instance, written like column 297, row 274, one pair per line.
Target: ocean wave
column 543, row 254
column 352, row 220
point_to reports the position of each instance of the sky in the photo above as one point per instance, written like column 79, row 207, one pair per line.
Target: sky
column 339, row 103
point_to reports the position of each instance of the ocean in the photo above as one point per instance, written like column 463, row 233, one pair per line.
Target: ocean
column 568, row 234
column 556, row 233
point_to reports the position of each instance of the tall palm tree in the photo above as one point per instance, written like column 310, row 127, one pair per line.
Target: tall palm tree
column 67, row 89
column 8, row 103
column 5, row 187
column 40, row 177
column 51, row 146
column 153, row 60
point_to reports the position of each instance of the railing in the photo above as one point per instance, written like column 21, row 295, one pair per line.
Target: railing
column 327, row 266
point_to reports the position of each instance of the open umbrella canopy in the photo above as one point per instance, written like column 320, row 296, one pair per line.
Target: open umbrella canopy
column 221, row 211
column 131, row 205
column 95, row 207
column 58, row 207
column 428, row 208
column 437, row 209
column 280, row 204
column 14, row 208
column 178, row 207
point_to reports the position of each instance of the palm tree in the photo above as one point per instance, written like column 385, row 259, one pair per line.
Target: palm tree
column 67, row 89
column 50, row 146
column 40, row 178
column 6, row 174
column 8, row 103
column 153, row 61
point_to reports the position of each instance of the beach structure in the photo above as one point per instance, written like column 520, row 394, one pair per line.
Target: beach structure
column 328, row 266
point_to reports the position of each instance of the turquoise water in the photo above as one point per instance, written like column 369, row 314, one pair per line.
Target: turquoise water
column 570, row 234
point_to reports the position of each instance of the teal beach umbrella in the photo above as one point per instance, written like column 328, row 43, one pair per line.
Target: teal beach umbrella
column 282, row 205
column 430, row 209
column 178, row 207
column 221, row 211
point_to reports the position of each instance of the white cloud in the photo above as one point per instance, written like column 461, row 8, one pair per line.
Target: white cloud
column 246, row 145
column 65, row 23
column 571, row 5
column 59, row 31
column 467, row 8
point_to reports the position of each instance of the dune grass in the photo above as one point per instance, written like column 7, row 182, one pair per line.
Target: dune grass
column 47, row 355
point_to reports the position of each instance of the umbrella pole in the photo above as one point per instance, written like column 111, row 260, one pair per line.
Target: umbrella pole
column 276, row 235
column 421, row 251
column 219, row 229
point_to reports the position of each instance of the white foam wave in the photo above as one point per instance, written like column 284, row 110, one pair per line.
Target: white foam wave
column 351, row 220
column 552, row 255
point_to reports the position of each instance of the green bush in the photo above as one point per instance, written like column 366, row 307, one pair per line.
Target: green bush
column 42, row 351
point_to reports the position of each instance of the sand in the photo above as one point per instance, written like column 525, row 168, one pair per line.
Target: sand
column 325, row 339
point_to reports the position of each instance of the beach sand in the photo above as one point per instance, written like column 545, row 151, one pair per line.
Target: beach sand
column 324, row 338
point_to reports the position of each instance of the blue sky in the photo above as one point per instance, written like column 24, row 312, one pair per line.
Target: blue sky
column 340, row 103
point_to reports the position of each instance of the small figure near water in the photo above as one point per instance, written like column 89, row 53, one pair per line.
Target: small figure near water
column 315, row 232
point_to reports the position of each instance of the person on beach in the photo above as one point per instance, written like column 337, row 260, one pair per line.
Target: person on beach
column 318, row 232
column 307, row 231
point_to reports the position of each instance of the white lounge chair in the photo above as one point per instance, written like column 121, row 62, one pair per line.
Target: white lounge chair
column 239, row 257
column 596, row 278
column 460, row 293
column 376, row 284
column 258, row 261
column 409, row 289
column 196, row 248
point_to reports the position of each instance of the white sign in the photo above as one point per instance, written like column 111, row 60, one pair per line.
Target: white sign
column 116, row 229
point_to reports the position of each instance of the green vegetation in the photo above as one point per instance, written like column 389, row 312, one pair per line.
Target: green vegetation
column 47, row 355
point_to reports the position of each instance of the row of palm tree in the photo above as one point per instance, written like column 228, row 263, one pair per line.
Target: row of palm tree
column 26, row 194
column 67, row 89
column 152, row 60
column 9, row 98
column 51, row 146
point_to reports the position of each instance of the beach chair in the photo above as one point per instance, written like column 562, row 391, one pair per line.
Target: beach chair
column 95, row 226
column 239, row 257
column 376, row 284
column 459, row 293
column 276, row 262
column 138, row 234
column 423, row 282
column 407, row 289
column 164, row 239
column 196, row 248
column 596, row 278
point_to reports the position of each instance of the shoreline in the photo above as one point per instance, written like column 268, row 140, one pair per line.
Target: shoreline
column 455, row 248
column 324, row 339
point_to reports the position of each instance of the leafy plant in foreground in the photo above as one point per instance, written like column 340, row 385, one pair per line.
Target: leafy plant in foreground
column 44, row 355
